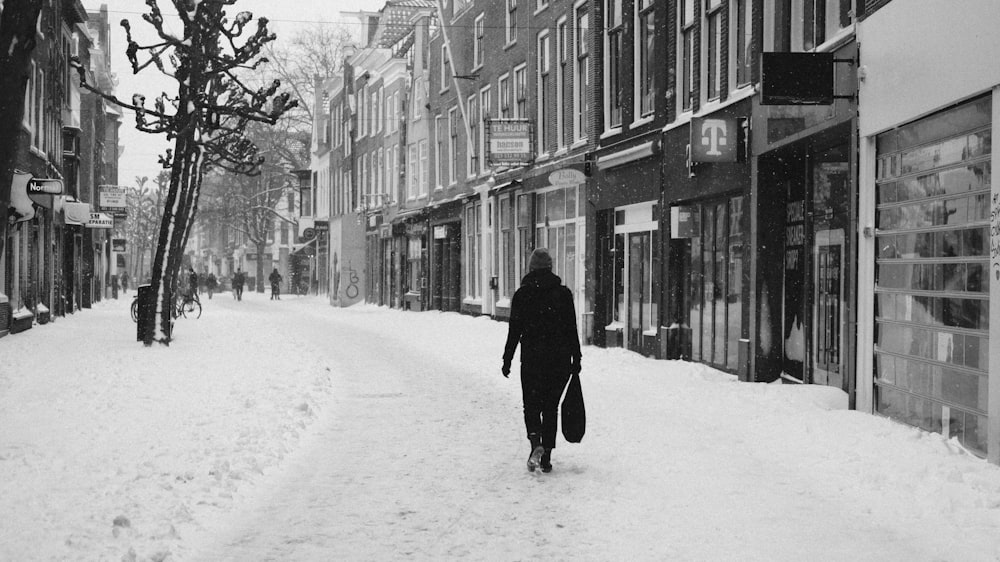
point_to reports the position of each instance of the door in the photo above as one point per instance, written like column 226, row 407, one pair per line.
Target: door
column 828, row 308
column 638, row 289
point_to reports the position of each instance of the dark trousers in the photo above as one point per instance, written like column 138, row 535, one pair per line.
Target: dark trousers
column 541, row 390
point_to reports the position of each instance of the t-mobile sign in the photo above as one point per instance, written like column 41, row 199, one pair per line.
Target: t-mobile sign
column 714, row 139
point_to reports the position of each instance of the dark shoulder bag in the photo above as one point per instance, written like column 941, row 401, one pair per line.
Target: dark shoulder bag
column 574, row 416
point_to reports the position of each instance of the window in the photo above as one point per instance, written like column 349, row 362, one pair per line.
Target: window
column 688, row 52
column 439, row 136
column 503, row 88
column 932, row 273
column 374, row 178
column 803, row 25
column 544, row 66
column 561, row 39
column 422, row 151
column 411, row 173
column 377, row 109
column 471, row 143
column 364, row 179
column 445, row 71
column 484, row 115
column 378, row 170
column 477, row 44
column 713, row 45
column 521, row 92
column 581, row 71
column 645, row 52
column 511, row 23
column 453, row 145
column 740, row 33
column 614, row 64
column 473, row 287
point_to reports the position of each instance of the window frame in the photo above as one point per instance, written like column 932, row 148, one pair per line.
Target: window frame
column 581, row 69
column 614, row 67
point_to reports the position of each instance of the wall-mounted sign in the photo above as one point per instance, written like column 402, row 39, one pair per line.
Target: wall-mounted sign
column 567, row 176
column 118, row 244
column 685, row 222
column 440, row 232
column 45, row 186
column 714, row 139
column 509, row 142
column 101, row 220
column 112, row 199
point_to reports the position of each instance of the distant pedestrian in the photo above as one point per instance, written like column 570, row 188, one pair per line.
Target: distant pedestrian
column 275, row 279
column 211, row 283
column 543, row 321
column 124, row 281
column 238, row 280
column 192, row 282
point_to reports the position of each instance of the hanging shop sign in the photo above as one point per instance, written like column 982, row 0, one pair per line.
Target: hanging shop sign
column 440, row 232
column 112, row 199
column 118, row 244
column 714, row 139
column 509, row 142
column 796, row 78
column 101, row 220
column 75, row 212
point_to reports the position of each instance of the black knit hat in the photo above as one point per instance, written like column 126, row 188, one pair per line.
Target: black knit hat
column 540, row 259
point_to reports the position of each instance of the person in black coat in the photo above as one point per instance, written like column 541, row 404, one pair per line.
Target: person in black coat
column 543, row 321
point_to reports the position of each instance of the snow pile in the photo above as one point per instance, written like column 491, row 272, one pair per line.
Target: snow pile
column 289, row 430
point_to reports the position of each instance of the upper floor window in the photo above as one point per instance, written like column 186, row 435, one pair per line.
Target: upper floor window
column 581, row 70
column 445, row 71
column 521, row 92
column 484, row 116
column 453, row 145
column 713, row 51
column 544, row 65
column 471, row 156
column 688, row 50
column 741, row 45
column 503, row 89
column 479, row 30
column 644, row 49
column 511, row 23
column 803, row 25
column 613, row 62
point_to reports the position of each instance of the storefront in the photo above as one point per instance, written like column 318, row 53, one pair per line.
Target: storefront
column 932, row 336
column 706, row 215
column 930, row 221
column 412, row 240
column 626, row 194
column 445, row 292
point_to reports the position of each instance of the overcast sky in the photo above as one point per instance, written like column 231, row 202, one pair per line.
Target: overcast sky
column 141, row 149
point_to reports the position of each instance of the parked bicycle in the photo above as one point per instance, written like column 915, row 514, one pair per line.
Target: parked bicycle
column 187, row 305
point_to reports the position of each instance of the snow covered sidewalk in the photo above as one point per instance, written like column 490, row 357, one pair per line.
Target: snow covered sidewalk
column 289, row 430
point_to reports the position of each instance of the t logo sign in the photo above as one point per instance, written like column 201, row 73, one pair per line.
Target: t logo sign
column 714, row 140
column 714, row 133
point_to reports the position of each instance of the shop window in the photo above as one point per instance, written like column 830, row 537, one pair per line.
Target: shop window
column 931, row 292
column 714, row 291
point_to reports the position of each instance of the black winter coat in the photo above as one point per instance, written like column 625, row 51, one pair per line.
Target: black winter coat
column 543, row 321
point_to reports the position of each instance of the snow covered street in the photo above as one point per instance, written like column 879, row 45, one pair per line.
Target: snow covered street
column 290, row 430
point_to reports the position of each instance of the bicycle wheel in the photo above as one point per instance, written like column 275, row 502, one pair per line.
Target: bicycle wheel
column 191, row 309
column 135, row 310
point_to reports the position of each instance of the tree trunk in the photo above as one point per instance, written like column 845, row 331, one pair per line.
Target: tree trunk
column 17, row 40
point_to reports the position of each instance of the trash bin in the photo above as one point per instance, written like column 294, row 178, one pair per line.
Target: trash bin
column 146, row 309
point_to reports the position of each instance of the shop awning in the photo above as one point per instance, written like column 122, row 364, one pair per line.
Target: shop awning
column 76, row 212
column 505, row 186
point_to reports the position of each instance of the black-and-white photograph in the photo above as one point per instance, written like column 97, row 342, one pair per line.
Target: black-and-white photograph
column 499, row 280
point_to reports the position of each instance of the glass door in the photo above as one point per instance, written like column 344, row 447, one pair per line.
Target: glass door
column 639, row 288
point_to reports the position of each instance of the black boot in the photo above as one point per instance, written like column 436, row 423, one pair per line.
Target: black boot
column 546, row 462
column 535, row 458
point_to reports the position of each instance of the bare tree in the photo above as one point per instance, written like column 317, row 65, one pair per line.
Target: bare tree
column 18, row 23
column 207, row 120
